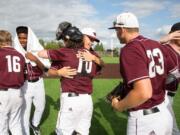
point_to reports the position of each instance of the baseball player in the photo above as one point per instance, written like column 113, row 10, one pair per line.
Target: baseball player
column 12, row 78
column 143, row 66
column 173, row 49
column 28, row 44
column 76, row 103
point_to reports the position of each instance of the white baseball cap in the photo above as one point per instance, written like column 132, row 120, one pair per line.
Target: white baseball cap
column 126, row 20
column 91, row 33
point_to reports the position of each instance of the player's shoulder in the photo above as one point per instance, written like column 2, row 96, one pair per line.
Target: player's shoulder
column 60, row 50
column 64, row 49
column 146, row 43
column 168, row 47
column 10, row 50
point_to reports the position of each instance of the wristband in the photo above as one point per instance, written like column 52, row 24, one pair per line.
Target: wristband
column 45, row 69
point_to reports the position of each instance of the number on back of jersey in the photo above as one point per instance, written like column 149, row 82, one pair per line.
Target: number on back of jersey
column 13, row 63
column 155, row 67
column 84, row 67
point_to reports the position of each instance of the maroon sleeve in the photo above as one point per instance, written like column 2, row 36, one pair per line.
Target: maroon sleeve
column 56, row 54
column 56, row 65
column 171, row 57
column 133, row 64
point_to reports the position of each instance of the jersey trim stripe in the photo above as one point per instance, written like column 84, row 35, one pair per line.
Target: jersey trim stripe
column 140, row 78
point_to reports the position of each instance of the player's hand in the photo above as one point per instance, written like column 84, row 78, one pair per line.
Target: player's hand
column 115, row 104
column 67, row 72
column 86, row 55
column 171, row 36
column 31, row 57
column 174, row 35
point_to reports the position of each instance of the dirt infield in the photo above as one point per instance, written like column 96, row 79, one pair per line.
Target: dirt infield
column 110, row 71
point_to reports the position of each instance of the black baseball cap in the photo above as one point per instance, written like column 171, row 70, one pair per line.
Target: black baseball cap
column 63, row 26
column 73, row 34
column 175, row 27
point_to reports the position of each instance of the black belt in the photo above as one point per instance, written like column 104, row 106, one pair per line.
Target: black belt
column 150, row 111
column 4, row 89
column 171, row 94
column 72, row 94
column 34, row 80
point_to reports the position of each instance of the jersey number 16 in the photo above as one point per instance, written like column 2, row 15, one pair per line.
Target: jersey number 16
column 13, row 63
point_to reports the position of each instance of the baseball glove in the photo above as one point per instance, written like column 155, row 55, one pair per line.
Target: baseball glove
column 116, row 92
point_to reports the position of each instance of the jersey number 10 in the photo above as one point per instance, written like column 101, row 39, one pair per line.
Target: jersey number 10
column 84, row 66
column 13, row 63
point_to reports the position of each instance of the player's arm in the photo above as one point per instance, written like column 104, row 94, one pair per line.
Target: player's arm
column 141, row 92
column 43, row 54
column 98, row 61
column 33, row 58
column 87, row 56
column 66, row 72
column 171, row 36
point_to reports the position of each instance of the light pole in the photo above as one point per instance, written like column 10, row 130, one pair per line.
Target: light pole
column 112, row 43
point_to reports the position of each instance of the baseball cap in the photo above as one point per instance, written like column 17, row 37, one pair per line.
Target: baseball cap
column 63, row 26
column 126, row 20
column 91, row 33
column 73, row 34
column 175, row 27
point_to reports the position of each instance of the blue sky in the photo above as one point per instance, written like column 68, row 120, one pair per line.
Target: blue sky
column 43, row 16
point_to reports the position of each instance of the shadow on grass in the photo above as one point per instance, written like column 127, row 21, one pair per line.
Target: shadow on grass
column 116, row 122
column 49, row 102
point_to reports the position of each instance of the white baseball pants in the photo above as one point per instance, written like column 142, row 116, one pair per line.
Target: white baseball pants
column 33, row 93
column 10, row 112
column 75, row 114
column 159, row 123
column 169, row 101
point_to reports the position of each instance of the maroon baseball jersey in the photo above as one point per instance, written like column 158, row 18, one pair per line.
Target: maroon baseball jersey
column 33, row 72
column 144, row 58
column 12, row 68
column 173, row 86
column 82, row 82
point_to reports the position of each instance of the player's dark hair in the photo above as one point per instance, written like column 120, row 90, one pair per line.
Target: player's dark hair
column 73, row 44
column 5, row 38
column 22, row 29
column 175, row 27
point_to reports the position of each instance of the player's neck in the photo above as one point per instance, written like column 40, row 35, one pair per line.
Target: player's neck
column 5, row 46
column 131, row 36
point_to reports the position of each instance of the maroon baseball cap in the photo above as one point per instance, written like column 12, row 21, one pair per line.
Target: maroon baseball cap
column 175, row 27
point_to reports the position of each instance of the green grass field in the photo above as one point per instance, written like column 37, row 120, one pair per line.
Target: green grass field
column 105, row 121
column 110, row 59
